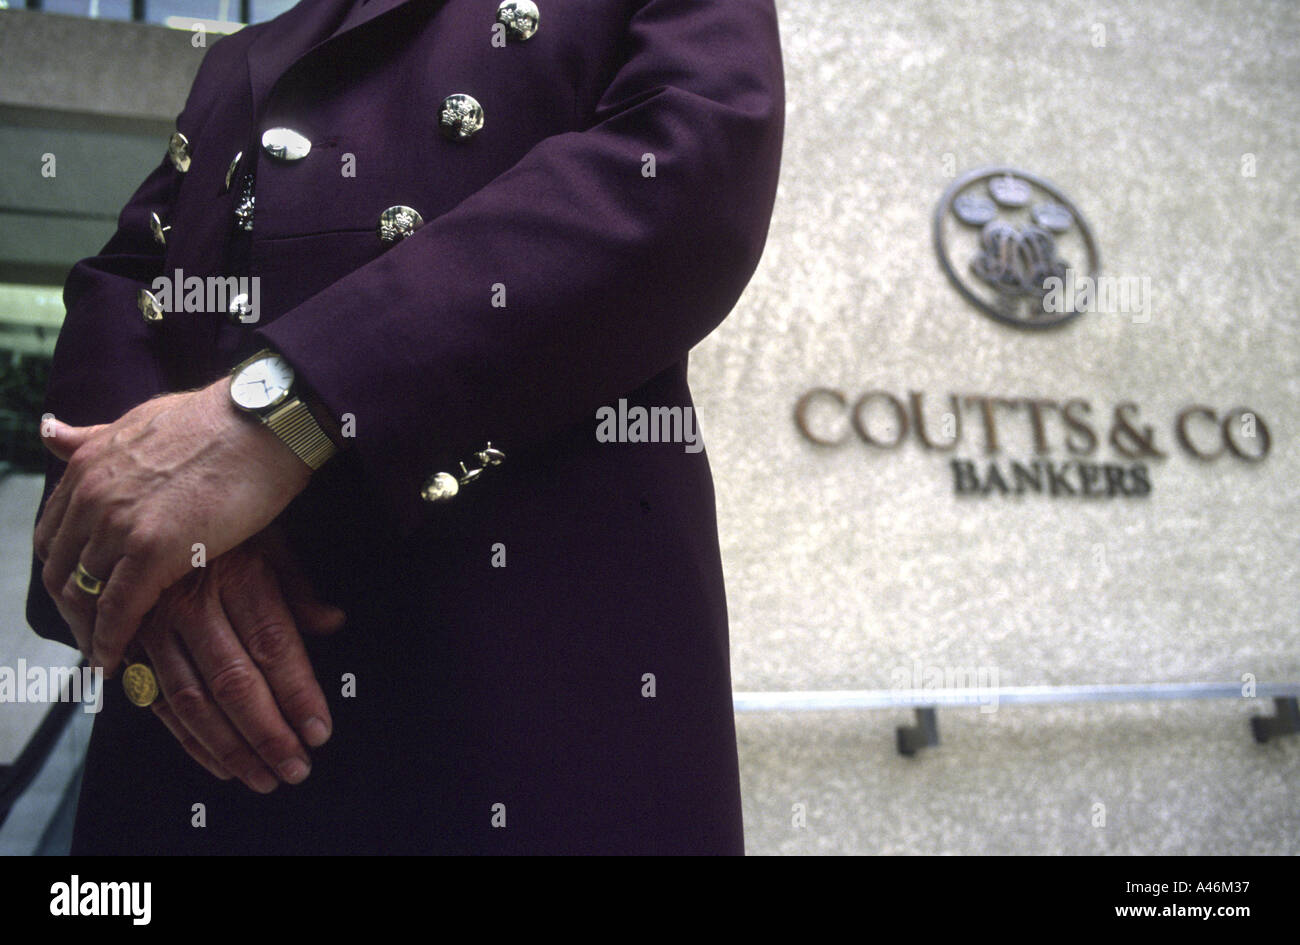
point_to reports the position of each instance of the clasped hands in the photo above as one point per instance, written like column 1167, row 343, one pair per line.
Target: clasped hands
column 138, row 499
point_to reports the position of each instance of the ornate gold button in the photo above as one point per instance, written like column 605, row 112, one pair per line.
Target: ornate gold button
column 149, row 306
column 230, row 171
column 238, row 311
column 461, row 117
column 399, row 222
column 159, row 231
column 440, row 487
column 490, row 456
column 520, row 18
column 285, row 144
column 178, row 150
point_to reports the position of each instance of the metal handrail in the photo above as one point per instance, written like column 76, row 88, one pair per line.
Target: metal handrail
column 823, row 700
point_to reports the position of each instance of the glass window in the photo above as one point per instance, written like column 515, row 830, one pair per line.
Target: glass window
column 160, row 11
column 164, row 12
column 100, row 9
column 269, row 9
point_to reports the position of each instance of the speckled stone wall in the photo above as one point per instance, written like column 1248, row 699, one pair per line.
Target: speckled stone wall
column 1174, row 127
column 845, row 563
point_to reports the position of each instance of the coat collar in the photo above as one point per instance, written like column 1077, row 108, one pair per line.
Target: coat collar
column 302, row 29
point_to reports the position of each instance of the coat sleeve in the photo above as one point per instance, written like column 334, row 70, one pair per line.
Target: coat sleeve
column 611, row 274
column 104, row 361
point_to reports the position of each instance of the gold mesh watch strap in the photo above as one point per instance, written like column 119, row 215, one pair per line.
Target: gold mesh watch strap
column 293, row 423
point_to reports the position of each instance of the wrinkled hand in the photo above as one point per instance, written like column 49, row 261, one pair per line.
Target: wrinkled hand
column 137, row 496
column 235, row 679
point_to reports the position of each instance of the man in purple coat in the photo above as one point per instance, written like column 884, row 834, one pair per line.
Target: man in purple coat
column 403, row 316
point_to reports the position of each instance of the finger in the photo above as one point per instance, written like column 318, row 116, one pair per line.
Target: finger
column 52, row 515
column 76, row 606
column 264, row 625
column 96, row 557
column 130, row 592
column 310, row 613
column 197, row 711
column 191, row 744
column 242, row 694
column 314, row 616
column 320, row 620
column 83, row 642
column 63, row 439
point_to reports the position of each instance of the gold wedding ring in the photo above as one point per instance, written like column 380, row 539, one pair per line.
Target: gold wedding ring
column 87, row 581
column 140, row 684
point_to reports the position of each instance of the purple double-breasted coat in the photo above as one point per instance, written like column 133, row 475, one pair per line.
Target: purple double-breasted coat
column 604, row 219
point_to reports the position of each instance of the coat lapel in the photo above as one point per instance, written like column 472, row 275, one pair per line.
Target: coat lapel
column 370, row 9
column 301, row 30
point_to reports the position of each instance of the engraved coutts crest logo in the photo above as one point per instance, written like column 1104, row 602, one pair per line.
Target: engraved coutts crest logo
column 1005, row 237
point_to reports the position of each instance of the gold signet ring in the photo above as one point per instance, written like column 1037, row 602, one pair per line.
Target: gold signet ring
column 87, row 581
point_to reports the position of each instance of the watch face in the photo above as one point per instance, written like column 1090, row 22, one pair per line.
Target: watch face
column 262, row 383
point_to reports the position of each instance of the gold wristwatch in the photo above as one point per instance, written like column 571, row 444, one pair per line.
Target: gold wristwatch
column 263, row 387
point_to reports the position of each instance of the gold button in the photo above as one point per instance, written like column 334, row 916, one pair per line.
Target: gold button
column 239, row 311
column 489, row 456
column 178, row 149
column 159, row 231
column 230, row 171
column 397, row 223
column 441, row 487
column 520, row 18
column 285, row 144
column 461, row 117
column 149, row 306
